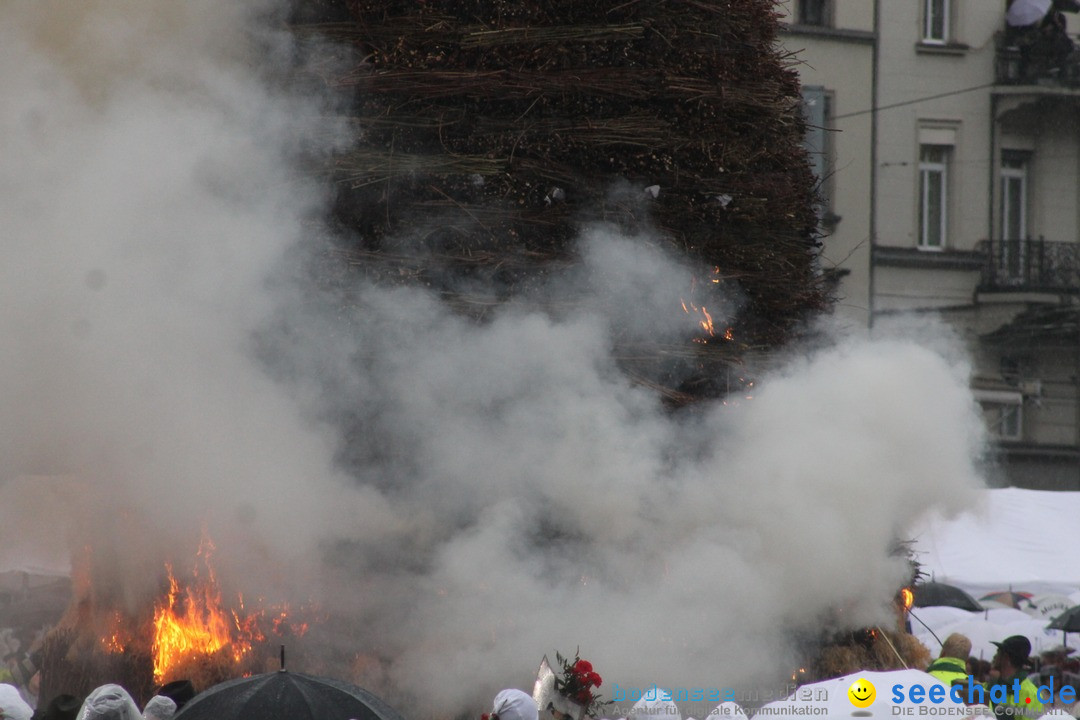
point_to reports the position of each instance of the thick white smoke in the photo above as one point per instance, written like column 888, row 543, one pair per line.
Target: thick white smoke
column 466, row 497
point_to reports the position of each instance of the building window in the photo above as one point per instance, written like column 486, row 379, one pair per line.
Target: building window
column 817, row 109
column 1014, row 191
column 933, row 195
column 936, row 21
column 815, row 12
column 1004, row 419
column 1003, row 412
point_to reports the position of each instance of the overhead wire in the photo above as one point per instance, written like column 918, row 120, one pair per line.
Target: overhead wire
column 914, row 100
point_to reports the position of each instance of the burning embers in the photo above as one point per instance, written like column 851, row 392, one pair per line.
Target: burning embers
column 705, row 319
column 188, row 632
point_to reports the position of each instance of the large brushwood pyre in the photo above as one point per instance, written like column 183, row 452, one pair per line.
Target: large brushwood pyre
column 489, row 133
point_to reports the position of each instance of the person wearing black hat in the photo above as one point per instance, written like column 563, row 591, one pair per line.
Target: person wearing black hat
column 61, row 707
column 1009, row 690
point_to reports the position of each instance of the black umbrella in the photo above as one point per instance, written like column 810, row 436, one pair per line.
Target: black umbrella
column 1069, row 621
column 935, row 593
column 286, row 695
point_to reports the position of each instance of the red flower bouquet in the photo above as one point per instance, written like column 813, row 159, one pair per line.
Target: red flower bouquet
column 577, row 682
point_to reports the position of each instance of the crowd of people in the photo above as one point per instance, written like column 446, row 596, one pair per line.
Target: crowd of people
column 1012, row 667
column 20, row 686
column 1014, row 683
column 106, row 702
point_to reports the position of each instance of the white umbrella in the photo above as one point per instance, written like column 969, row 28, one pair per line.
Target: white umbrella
column 727, row 711
column 935, row 617
column 932, row 628
column 1048, row 606
column 1027, row 12
column 655, row 704
column 829, row 698
column 984, row 633
column 1007, row 616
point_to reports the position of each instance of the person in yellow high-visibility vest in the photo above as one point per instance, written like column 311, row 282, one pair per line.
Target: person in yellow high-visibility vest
column 1007, row 671
column 951, row 664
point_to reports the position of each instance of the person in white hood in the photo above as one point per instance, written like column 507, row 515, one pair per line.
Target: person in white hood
column 514, row 704
column 159, row 707
column 109, row 702
column 12, row 706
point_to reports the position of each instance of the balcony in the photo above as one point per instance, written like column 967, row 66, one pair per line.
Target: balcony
column 1034, row 59
column 1030, row 265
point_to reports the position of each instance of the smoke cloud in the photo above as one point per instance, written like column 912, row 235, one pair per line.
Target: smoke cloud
column 462, row 497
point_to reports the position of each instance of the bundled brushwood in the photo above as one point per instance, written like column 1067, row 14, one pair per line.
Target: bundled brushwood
column 491, row 131
column 75, row 664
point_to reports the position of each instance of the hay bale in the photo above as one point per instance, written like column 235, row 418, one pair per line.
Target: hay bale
column 875, row 650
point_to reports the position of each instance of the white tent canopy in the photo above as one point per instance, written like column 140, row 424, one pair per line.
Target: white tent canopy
column 1024, row 540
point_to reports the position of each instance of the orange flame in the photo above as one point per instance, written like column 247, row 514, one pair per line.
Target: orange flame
column 707, row 323
column 192, row 622
column 907, row 598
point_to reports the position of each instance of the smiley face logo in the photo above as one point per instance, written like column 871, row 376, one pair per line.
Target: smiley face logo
column 861, row 693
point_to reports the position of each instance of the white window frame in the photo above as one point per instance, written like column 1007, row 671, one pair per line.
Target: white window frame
column 1014, row 169
column 1004, row 412
column 927, row 170
column 817, row 109
column 932, row 10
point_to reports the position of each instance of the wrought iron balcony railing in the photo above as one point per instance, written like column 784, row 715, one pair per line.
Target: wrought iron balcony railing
column 1036, row 60
column 1030, row 265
